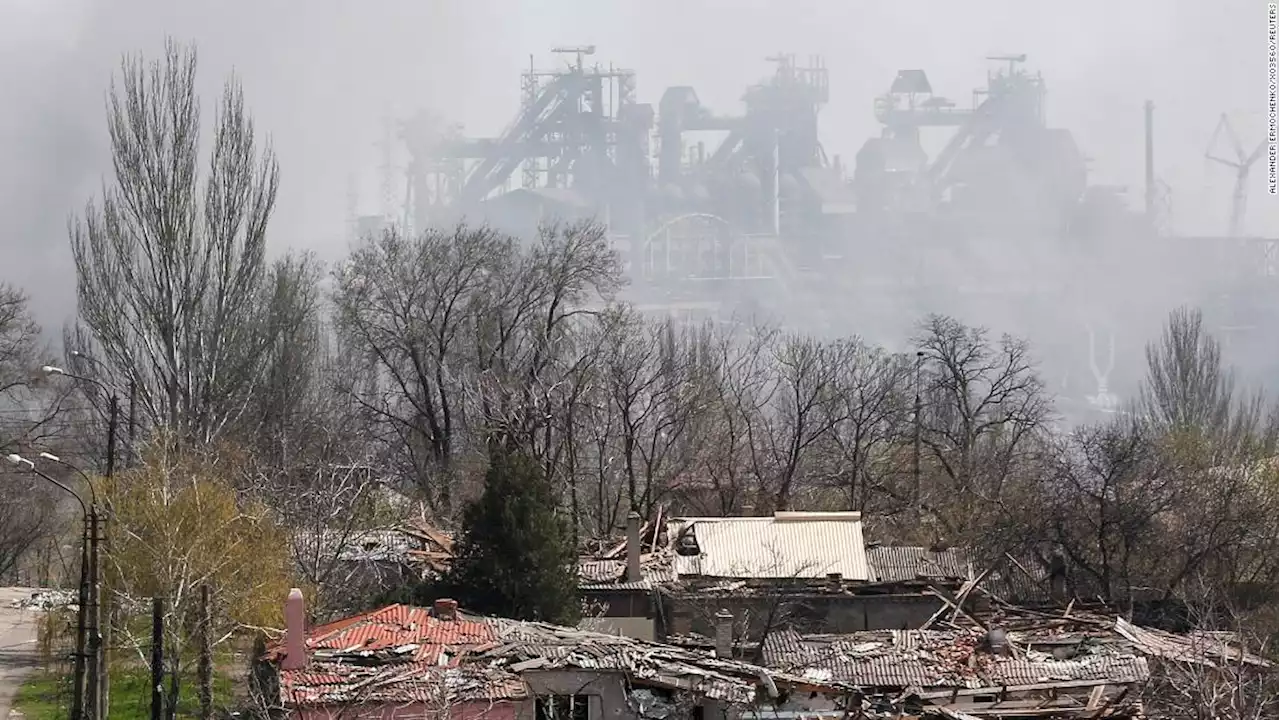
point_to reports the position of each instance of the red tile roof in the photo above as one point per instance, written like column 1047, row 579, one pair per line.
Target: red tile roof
column 398, row 627
column 396, row 654
column 403, row 654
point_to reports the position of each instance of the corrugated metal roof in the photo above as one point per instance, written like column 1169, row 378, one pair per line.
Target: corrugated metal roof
column 936, row 659
column 787, row 545
column 903, row 563
column 595, row 574
column 1214, row 652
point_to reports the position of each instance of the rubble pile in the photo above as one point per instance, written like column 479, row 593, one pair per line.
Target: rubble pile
column 46, row 600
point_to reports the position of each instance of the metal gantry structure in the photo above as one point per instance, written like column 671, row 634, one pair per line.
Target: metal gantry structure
column 729, row 214
column 1240, row 162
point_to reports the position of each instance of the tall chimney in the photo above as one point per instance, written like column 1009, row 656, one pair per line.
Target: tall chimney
column 724, row 634
column 1149, row 167
column 446, row 609
column 1058, row 576
column 295, row 634
column 633, row 546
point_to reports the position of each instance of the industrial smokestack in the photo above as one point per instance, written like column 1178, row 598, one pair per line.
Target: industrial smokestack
column 1149, row 167
column 775, row 209
column 724, row 634
column 295, row 634
column 633, row 546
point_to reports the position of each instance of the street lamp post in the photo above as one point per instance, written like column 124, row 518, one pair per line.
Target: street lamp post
column 96, row 670
column 113, row 411
column 93, row 586
column 88, row 574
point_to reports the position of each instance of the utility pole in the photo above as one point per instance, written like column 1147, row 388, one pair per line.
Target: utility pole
column 96, row 649
column 94, row 671
column 206, row 657
column 157, row 658
column 82, row 615
column 915, row 415
column 113, row 419
column 133, row 423
column 86, row 565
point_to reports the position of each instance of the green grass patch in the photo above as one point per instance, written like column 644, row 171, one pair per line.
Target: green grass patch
column 47, row 695
column 44, row 696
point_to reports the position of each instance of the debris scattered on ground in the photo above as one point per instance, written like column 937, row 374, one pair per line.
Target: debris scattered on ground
column 46, row 600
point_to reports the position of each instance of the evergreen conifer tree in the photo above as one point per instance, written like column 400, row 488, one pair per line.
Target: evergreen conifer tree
column 515, row 558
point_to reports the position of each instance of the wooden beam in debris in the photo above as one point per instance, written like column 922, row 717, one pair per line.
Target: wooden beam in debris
column 1095, row 697
column 946, row 598
column 1072, row 711
column 967, row 588
column 1111, row 702
column 996, row 689
column 657, row 530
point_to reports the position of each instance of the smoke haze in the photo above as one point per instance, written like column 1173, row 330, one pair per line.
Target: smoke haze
column 321, row 81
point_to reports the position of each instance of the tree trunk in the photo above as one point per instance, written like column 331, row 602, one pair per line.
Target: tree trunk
column 206, row 657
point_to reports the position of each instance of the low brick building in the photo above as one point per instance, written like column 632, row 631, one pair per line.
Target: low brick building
column 807, row 570
column 439, row 662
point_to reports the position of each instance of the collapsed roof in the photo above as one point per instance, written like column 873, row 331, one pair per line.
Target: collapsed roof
column 405, row 654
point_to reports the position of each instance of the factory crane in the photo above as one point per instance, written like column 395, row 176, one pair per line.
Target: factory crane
column 1241, row 164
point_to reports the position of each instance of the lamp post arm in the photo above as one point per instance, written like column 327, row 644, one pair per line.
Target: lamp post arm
column 93, row 494
column 83, row 379
column 83, row 508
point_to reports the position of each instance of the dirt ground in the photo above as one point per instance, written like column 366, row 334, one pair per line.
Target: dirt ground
column 18, row 655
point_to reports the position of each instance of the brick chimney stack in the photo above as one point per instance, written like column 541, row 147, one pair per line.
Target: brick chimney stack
column 445, row 609
column 633, row 546
column 295, row 634
column 724, row 635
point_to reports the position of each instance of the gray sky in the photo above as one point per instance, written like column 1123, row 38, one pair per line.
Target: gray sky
column 319, row 74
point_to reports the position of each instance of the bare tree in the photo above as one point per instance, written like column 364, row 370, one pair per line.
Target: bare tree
column 802, row 404
column 175, row 292
column 529, row 325
column 294, row 402
column 870, row 425
column 473, row 340
column 984, row 403
column 1189, row 391
column 1186, row 383
column 27, row 516
column 326, row 510
column 1110, row 493
column 409, row 305
column 30, row 411
column 737, row 377
column 28, row 416
column 649, row 370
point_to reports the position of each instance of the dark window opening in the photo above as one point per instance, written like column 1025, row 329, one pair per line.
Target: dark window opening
column 562, row 707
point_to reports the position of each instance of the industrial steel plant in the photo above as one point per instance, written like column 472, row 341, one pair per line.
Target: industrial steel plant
column 729, row 215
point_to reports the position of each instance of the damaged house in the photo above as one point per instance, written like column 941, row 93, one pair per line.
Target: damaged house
column 806, row 569
column 357, row 563
column 811, row 571
column 1033, row 666
column 412, row 662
